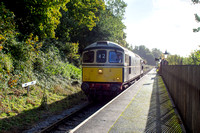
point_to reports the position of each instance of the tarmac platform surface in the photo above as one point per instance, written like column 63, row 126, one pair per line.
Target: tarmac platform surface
column 143, row 107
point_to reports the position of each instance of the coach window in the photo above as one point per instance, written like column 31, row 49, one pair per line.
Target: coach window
column 88, row 57
column 115, row 57
column 101, row 56
column 127, row 59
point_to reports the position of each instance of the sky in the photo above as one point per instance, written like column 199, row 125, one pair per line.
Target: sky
column 163, row 24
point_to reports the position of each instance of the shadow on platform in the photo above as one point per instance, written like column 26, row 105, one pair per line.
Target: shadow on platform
column 161, row 115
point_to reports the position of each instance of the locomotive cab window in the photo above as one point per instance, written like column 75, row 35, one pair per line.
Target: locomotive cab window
column 88, row 57
column 101, row 56
column 115, row 57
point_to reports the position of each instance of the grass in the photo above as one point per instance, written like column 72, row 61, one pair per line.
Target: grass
column 20, row 111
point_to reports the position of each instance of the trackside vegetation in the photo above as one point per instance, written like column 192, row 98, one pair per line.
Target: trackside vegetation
column 41, row 41
column 58, row 81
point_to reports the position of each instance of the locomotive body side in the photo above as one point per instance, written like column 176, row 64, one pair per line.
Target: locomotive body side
column 132, row 67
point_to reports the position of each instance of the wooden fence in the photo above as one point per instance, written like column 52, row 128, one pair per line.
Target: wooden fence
column 183, row 83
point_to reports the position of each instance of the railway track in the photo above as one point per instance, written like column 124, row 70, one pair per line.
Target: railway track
column 68, row 123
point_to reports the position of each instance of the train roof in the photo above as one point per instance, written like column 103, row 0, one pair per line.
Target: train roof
column 109, row 45
column 104, row 45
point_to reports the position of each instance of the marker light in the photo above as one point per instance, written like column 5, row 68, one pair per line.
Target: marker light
column 100, row 71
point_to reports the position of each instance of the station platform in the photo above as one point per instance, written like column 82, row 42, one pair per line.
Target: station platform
column 144, row 107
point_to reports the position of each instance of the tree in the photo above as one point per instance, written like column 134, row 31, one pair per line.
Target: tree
column 107, row 24
column 156, row 53
column 197, row 18
column 117, row 8
column 7, row 27
column 85, row 11
column 79, row 20
column 175, row 60
column 39, row 17
column 145, row 53
column 193, row 59
column 108, row 28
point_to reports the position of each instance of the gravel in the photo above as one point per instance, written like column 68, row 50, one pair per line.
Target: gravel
column 52, row 119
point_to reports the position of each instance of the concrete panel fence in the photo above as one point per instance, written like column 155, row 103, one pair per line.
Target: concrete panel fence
column 183, row 83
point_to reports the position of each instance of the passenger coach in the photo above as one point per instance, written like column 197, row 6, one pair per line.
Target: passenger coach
column 107, row 67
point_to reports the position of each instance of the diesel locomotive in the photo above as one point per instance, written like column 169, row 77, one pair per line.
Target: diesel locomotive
column 107, row 68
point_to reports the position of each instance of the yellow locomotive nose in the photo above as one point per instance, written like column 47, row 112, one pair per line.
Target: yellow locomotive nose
column 102, row 74
column 100, row 71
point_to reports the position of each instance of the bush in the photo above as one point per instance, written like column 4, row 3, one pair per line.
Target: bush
column 7, row 27
column 54, row 65
column 6, row 63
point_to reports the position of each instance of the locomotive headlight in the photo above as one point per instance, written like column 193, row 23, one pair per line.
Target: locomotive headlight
column 117, row 78
column 100, row 71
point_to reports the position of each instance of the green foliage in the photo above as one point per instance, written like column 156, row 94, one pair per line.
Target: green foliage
column 156, row 53
column 197, row 18
column 6, row 63
column 38, row 17
column 147, row 55
column 22, row 111
column 73, row 50
column 48, row 13
column 109, row 27
column 193, row 59
column 81, row 17
column 117, row 8
column 20, row 51
column 195, row 1
column 47, row 68
column 175, row 60
column 7, row 27
column 17, row 61
column 84, row 11
column 52, row 61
